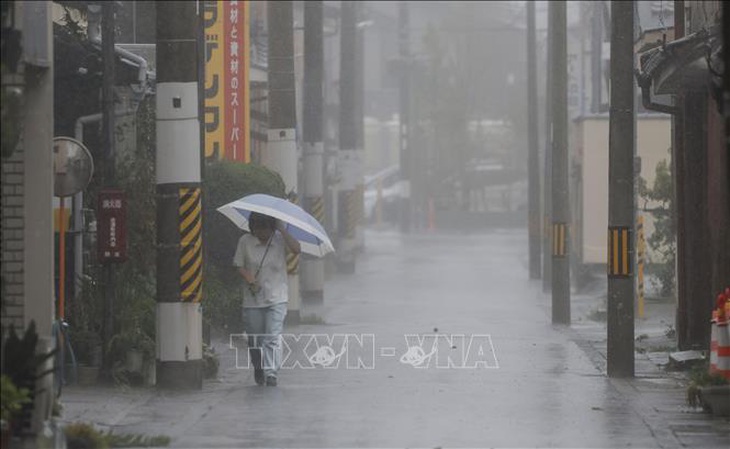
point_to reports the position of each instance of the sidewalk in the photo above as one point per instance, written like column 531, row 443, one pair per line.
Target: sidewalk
column 661, row 393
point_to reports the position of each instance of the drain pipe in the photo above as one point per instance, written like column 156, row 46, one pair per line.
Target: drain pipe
column 78, row 201
column 646, row 100
column 94, row 33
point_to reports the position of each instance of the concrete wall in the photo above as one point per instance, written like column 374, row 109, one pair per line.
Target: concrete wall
column 590, row 147
column 27, row 185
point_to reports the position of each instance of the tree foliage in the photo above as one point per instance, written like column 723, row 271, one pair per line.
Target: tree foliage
column 225, row 182
column 663, row 240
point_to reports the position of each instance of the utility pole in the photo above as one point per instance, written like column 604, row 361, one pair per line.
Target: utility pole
column 404, row 115
column 361, row 27
column 108, row 172
column 621, row 194
column 179, row 202
column 678, row 171
column 313, row 269
column 560, row 206
column 281, row 150
column 547, row 255
column 596, row 49
column 349, row 163
column 533, row 169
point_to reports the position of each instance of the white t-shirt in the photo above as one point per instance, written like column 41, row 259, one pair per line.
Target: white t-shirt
column 272, row 277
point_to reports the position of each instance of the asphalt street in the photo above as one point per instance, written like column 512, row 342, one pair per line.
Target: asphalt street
column 437, row 340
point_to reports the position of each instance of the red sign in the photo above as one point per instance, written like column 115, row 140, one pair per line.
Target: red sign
column 111, row 226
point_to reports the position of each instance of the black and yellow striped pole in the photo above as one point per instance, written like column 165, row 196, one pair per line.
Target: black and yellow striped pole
column 533, row 163
column 547, row 272
column 560, row 213
column 312, row 269
column 179, row 220
column 280, row 154
column 620, row 313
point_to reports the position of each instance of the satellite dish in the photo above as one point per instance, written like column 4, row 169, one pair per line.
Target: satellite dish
column 73, row 166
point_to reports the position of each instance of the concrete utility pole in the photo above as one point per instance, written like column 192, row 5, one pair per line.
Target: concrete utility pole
column 560, row 198
column 596, row 48
column 108, row 172
column 361, row 27
column 533, row 166
column 179, row 204
column 547, row 256
column 621, row 194
column 313, row 269
column 404, row 115
column 281, row 151
column 349, row 163
column 678, row 171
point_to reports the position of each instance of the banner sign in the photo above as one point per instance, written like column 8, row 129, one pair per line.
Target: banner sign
column 227, row 56
column 111, row 224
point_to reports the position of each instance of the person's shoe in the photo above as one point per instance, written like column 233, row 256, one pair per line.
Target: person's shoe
column 271, row 381
column 258, row 376
column 258, row 371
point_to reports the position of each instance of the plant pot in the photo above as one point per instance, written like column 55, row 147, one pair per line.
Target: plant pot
column 134, row 361
column 716, row 398
column 87, row 375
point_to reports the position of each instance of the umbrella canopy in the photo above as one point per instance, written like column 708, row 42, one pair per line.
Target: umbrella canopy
column 302, row 226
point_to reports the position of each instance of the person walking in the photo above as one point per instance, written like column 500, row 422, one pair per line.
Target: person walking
column 261, row 260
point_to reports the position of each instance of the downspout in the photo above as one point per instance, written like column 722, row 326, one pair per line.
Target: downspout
column 78, row 201
column 644, row 83
column 94, row 33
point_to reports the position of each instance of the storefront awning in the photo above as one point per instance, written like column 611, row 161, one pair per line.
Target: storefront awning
column 688, row 64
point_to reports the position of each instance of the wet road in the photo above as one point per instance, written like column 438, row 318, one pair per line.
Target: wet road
column 545, row 391
column 521, row 383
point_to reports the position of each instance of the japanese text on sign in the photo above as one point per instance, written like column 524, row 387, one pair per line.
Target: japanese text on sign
column 226, row 80
column 111, row 226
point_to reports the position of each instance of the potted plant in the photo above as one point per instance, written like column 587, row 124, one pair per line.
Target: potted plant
column 710, row 391
column 11, row 404
column 24, row 368
column 83, row 435
column 132, row 351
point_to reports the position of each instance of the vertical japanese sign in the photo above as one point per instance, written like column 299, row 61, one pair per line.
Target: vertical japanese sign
column 111, row 226
column 227, row 50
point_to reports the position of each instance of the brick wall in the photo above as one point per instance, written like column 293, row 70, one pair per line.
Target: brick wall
column 11, row 239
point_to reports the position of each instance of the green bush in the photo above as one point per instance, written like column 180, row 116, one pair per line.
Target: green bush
column 225, row 182
column 663, row 240
column 134, row 440
column 81, row 435
column 13, row 398
column 84, row 436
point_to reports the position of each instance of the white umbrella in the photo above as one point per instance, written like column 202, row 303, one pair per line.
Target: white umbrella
column 300, row 224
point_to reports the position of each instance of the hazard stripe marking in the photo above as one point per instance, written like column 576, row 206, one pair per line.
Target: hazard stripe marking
column 620, row 252
column 560, row 239
column 191, row 245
